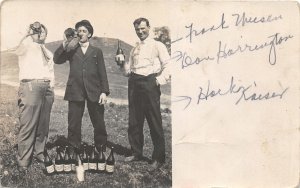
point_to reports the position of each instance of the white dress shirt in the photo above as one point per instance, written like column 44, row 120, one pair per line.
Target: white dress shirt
column 84, row 46
column 35, row 61
column 149, row 57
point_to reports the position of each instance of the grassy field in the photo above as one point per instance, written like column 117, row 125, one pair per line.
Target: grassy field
column 126, row 175
column 135, row 174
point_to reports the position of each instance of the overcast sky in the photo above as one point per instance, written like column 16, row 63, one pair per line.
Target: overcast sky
column 109, row 18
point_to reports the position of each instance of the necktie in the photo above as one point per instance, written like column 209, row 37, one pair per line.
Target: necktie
column 48, row 61
column 46, row 56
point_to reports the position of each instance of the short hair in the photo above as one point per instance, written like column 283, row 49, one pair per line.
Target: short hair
column 45, row 29
column 139, row 20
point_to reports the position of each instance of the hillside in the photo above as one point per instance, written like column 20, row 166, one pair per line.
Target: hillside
column 107, row 45
column 118, row 83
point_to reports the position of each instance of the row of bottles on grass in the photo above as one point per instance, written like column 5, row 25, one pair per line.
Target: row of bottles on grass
column 66, row 161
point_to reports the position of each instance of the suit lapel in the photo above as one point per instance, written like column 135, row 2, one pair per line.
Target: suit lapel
column 88, row 52
column 79, row 53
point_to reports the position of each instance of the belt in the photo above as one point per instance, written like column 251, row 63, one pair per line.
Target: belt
column 134, row 75
column 34, row 80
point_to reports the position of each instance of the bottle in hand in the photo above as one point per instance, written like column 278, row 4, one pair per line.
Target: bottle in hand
column 120, row 57
column 85, row 158
column 93, row 160
column 101, row 160
column 70, row 33
column 110, row 162
column 49, row 166
column 59, row 165
column 67, row 161
column 71, row 39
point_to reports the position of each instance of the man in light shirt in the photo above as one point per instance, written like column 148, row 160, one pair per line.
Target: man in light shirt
column 147, row 70
column 35, row 96
column 87, row 83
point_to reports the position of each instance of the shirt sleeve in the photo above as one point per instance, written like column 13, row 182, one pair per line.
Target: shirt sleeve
column 22, row 48
column 164, row 58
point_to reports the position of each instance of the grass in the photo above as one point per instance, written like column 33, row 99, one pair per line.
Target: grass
column 126, row 175
column 135, row 174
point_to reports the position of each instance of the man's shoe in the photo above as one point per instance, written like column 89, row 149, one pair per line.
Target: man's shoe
column 155, row 165
column 133, row 158
column 39, row 159
column 23, row 169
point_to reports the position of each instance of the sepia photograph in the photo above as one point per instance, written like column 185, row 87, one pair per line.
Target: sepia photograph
column 85, row 95
column 149, row 93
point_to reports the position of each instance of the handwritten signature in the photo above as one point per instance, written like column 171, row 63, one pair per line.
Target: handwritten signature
column 243, row 20
column 276, row 40
column 239, row 20
column 224, row 51
column 244, row 93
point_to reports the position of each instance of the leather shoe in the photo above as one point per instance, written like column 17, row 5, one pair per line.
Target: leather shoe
column 39, row 159
column 132, row 158
column 156, row 165
column 23, row 169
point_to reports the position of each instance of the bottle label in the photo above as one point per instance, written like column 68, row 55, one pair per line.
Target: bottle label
column 110, row 168
column 120, row 57
column 50, row 169
column 59, row 167
column 85, row 166
column 73, row 167
column 93, row 166
column 101, row 166
column 67, row 167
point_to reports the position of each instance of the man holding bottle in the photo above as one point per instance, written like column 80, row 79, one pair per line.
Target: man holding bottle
column 87, row 82
column 35, row 95
column 147, row 70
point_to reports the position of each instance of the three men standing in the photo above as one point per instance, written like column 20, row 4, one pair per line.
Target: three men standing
column 87, row 82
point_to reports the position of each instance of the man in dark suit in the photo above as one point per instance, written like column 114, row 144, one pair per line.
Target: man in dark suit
column 87, row 82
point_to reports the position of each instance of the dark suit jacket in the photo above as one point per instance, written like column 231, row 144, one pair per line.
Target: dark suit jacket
column 87, row 73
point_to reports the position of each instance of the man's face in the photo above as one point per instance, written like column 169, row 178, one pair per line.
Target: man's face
column 83, row 34
column 142, row 30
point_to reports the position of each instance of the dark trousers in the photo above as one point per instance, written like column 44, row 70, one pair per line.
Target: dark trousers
column 96, row 112
column 144, row 102
column 35, row 103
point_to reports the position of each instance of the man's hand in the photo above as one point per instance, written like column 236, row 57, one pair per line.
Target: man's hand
column 157, row 82
column 120, row 59
column 71, row 44
column 102, row 99
column 71, row 41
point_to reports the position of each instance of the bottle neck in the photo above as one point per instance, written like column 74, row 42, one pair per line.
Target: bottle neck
column 112, row 152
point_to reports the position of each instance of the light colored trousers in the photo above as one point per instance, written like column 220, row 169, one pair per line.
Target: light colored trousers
column 35, row 99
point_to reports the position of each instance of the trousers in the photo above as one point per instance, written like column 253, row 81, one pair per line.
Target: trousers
column 35, row 100
column 144, row 103
column 96, row 112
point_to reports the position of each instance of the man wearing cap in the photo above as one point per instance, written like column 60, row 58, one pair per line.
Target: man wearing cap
column 87, row 82
column 35, row 95
column 147, row 70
